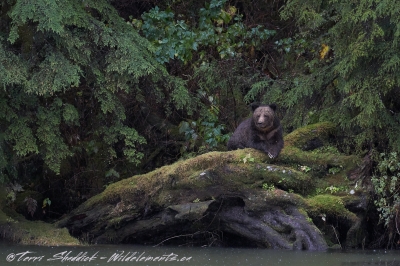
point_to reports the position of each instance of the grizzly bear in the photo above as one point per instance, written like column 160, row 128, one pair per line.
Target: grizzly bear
column 262, row 131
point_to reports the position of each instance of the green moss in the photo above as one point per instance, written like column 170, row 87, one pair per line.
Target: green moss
column 15, row 228
column 328, row 205
column 115, row 222
column 301, row 136
column 282, row 198
column 236, row 171
column 19, row 230
column 215, row 174
column 292, row 155
column 178, row 175
column 244, row 173
column 282, row 177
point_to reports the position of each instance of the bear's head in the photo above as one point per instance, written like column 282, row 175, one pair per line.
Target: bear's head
column 263, row 116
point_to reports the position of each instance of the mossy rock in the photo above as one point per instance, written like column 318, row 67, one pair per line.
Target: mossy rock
column 299, row 138
column 330, row 205
column 15, row 228
column 219, row 184
column 332, row 215
column 210, row 192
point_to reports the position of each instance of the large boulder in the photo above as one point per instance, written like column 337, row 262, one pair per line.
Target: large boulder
column 236, row 198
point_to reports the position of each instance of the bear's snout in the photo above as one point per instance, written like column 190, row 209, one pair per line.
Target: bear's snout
column 263, row 125
column 263, row 122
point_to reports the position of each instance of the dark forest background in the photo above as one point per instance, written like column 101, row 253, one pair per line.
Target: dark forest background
column 94, row 91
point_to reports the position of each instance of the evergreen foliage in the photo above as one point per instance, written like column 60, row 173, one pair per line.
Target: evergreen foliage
column 67, row 70
column 342, row 65
column 76, row 78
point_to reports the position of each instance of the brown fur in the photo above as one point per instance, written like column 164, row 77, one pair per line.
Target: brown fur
column 262, row 131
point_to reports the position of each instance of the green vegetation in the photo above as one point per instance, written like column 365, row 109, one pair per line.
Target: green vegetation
column 77, row 78
column 343, row 67
column 386, row 186
column 96, row 91
column 322, row 204
column 62, row 64
column 248, row 158
column 205, row 134
column 219, row 27
column 14, row 227
column 267, row 187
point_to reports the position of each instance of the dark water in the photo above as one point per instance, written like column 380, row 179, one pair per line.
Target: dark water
column 139, row 255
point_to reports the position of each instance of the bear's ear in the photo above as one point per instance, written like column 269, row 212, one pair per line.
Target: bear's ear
column 254, row 106
column 273, row 106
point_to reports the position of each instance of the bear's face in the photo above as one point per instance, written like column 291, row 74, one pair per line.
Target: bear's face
column 263, row 117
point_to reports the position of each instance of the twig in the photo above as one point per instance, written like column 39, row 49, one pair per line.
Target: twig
column 172, row 237
column 334, row 230
column 219, row 208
